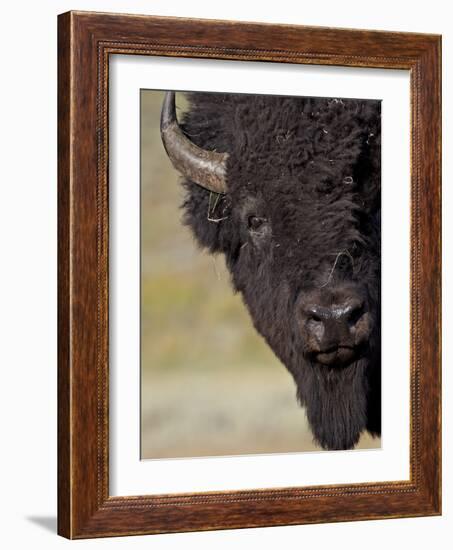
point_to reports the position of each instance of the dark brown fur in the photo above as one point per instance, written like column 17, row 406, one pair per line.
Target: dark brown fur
column 310, row 168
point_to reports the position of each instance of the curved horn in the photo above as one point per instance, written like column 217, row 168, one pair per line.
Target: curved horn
column 206, row 168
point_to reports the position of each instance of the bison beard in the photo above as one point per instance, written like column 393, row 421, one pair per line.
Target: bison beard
column 288, row 189
column 336, row 402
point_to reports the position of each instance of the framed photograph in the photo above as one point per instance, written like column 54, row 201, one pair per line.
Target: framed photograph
column 249, row 275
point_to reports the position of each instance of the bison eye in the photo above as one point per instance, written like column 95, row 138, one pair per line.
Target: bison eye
column 255, row 223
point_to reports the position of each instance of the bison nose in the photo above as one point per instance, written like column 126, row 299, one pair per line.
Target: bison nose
column 332, row 331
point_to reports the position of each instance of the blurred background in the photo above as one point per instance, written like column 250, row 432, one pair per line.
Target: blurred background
column 209, row 383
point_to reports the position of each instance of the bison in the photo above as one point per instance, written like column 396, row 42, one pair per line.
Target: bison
column 288, row 189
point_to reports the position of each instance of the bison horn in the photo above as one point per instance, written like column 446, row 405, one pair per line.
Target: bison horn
column 206, row 168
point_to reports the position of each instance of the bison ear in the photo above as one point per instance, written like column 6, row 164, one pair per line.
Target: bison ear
column 208, row 216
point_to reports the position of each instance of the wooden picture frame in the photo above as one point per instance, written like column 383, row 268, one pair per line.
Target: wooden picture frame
column 85, row 42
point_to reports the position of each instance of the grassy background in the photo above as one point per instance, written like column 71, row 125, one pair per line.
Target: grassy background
column 210, row 385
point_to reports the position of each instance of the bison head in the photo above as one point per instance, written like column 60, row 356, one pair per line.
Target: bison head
column 288, row 189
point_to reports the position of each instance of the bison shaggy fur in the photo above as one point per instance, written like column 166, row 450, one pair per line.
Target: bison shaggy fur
column 300, row 225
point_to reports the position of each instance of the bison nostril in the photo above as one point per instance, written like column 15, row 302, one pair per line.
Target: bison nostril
column 314, row 317
column 354, row 316
column 314, row 324
column 314, row 313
